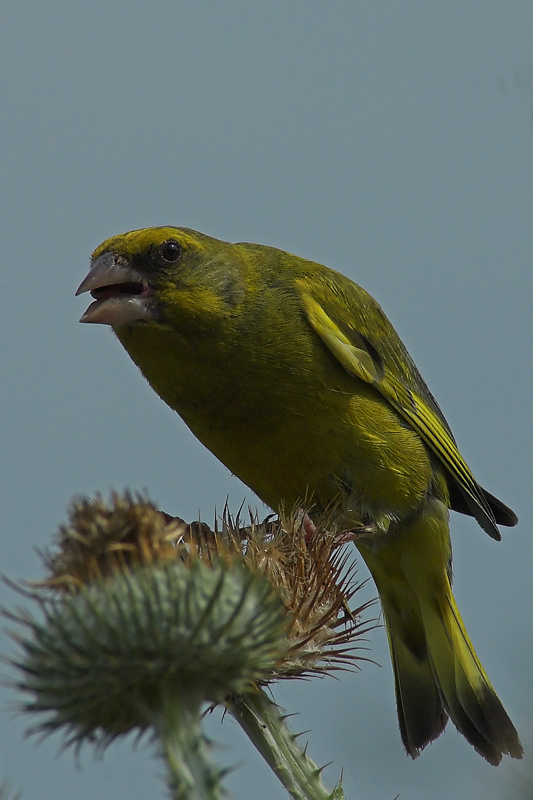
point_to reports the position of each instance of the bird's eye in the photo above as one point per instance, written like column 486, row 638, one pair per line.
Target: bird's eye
column 169, row 252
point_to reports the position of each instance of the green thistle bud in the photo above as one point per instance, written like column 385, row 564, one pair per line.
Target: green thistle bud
column 96, row 663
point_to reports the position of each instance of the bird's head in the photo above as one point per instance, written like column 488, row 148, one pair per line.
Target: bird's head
column 162, row 275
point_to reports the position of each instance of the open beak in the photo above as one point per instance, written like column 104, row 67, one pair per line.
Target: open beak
column 121, row 293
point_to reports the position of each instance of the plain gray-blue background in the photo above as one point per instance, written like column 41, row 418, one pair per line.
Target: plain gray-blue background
column 391, row 141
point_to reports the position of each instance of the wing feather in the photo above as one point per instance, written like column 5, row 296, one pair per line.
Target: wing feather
column 350, row 348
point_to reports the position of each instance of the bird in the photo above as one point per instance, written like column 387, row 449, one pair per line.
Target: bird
column 294, row 378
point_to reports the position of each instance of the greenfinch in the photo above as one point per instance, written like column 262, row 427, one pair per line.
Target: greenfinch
column 295, row 379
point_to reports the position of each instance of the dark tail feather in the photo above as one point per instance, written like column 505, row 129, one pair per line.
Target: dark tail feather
column 421, row 721
column 503, row 515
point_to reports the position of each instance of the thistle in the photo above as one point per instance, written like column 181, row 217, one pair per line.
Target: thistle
column 145, row 619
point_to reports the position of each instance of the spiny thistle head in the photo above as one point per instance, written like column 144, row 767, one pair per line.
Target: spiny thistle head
column 310, row 572
column 99, row 661
column 137, row 604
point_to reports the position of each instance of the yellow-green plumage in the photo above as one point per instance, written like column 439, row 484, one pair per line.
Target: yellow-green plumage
column 295, row 379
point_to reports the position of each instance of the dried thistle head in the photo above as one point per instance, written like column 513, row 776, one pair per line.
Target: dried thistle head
column 103, row 537
column 314, row 576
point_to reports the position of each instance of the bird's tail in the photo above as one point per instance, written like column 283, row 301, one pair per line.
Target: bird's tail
column 437, row 672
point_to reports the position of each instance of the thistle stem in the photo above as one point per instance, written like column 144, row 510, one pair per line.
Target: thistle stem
column 264, row 724
column 184, row 748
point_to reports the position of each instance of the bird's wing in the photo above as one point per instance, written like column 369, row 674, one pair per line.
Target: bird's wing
column 362, row 359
